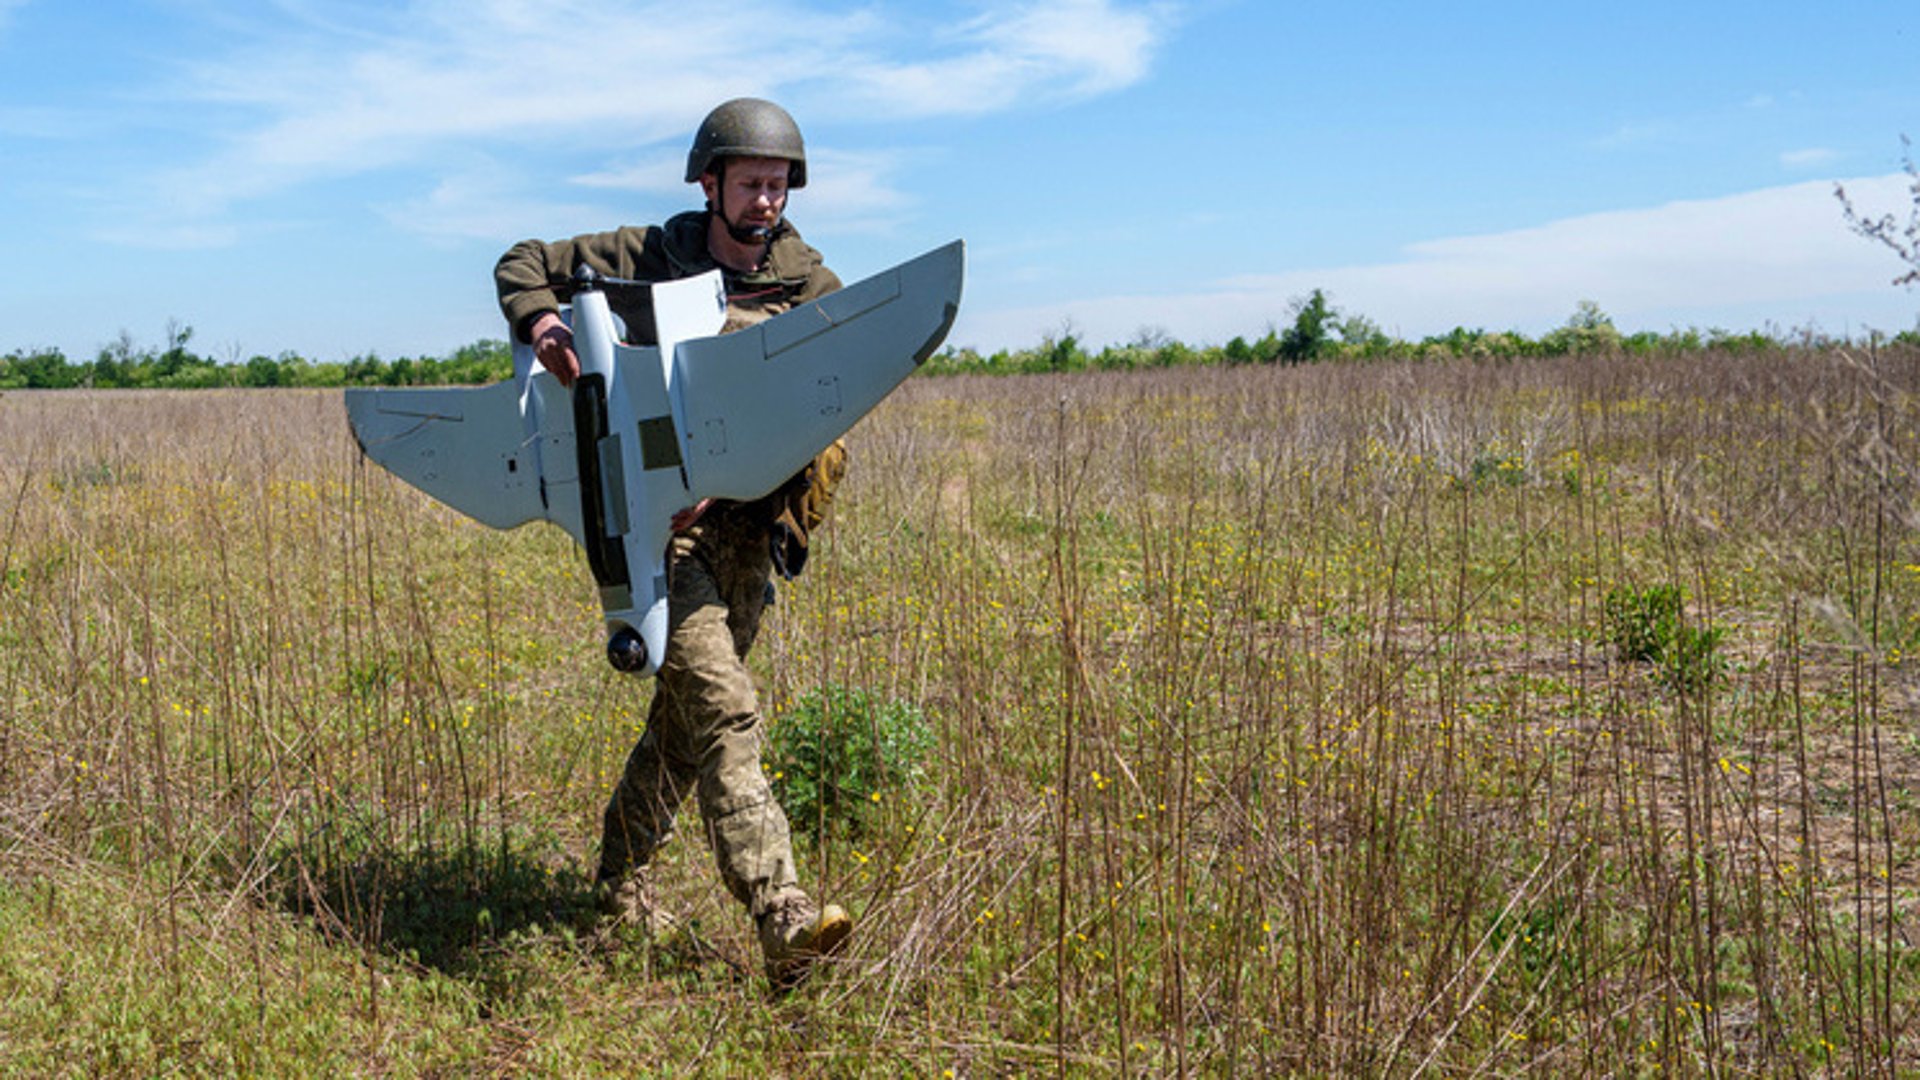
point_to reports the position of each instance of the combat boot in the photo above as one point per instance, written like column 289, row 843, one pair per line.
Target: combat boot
column 794, row 932
column 628, row 901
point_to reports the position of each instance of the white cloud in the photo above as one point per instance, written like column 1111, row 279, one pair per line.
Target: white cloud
column 849, row 193
column 1067, row 49
column 452, row 77
column 401, row 90
column 1092, row 46
column 481, row 204
column 1707, row 262
column 662, row 173
column 1807, row 158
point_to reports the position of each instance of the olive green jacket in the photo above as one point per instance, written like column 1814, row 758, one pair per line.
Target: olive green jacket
column 535, row 276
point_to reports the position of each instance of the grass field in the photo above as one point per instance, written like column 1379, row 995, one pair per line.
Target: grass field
column 1544, row 718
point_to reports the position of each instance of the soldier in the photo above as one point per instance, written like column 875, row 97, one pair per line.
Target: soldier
column 704, row 727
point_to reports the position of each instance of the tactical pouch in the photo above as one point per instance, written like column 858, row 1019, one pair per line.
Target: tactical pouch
column 800, row 506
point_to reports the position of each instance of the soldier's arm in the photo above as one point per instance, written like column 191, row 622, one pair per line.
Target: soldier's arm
column 533, row 277
column 529, row 279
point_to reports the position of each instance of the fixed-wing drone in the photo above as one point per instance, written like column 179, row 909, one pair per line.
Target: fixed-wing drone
column 650, row 430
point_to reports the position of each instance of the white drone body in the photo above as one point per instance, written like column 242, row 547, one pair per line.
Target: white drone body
column 647, row 431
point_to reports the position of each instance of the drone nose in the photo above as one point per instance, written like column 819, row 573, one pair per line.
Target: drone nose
column 627, row 652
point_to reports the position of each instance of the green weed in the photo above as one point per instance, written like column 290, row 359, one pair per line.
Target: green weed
column 1650, row 626
column 838, row 752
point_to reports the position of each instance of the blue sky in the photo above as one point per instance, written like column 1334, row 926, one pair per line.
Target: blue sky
column 336, row 178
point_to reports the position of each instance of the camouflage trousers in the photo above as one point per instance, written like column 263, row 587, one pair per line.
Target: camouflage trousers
column 704, row 729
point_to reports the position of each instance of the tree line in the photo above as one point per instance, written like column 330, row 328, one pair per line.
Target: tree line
column 123, row 366
column 1316, row 332
column 1320, row 333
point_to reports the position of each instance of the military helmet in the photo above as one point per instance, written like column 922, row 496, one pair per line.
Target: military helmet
column 748, row 127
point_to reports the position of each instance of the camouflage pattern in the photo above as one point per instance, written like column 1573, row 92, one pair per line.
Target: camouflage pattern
column 704, row 730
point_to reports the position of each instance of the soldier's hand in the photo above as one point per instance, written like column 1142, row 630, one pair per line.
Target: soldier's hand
column 683, row 520
column 553, row 347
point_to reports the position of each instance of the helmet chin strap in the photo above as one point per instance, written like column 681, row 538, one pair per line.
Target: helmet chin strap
column 744, row 234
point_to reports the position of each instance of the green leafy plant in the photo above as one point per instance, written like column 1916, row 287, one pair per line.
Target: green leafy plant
column 1694, row 660
column 1490, row 468
column 839, row 752
column 1538, row 935
column 1649, row 626
column 1642, row 622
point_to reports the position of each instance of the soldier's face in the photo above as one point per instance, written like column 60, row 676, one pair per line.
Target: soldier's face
column 754, row 193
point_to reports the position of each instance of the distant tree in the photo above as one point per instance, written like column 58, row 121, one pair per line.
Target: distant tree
column 1173, row 354
column 488, row 360
column 1588, row 329
column 117, row 364
column 1748, row 342
column 1307, row 338
column 1687, row 340
column 264, row 371
column 1588, row 316
column 1458, row 341
column 1362, row 335
column 368, row 370
column 1267, row 348
column 302, row 372
column 1904, row 242
column 44, row 369
column 1062, row 351
column 176, row 355
column 1150, row 337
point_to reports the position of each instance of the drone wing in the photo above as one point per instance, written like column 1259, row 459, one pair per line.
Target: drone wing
column 759, row 403
column 501, row 454
column 733, row 416
column 650, row 430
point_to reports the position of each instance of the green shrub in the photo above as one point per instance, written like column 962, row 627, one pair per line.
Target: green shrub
column 1641, row 622
column 1694, row 658
column 839, row 752
column 1648, row 625
column 1490, row 468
